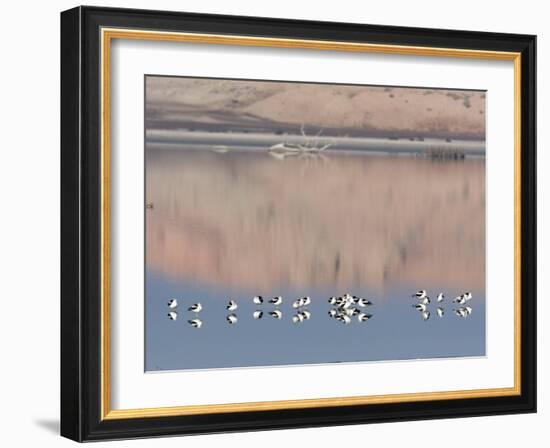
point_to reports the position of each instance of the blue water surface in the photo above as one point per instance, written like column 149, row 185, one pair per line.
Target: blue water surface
column 396, row 330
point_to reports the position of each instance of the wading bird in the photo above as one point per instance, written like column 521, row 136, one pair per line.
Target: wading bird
column 463, row 298
column 347, row 301
column 363, row 317
column 343, row 318
column 232, row 305
column 348, row 311
column 420, row 294
column 463, row 311
column 301, row 302
column 195, row 323
column 424, row 301
column 196, row 308
column 420, row 307
column 363, row 302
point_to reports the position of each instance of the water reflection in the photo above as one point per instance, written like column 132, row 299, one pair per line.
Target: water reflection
column 393, row 331
column 342, row 310
column 245, row 220
column 423, row 302
column 221, row 227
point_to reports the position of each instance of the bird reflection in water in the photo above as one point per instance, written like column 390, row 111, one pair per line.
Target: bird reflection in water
column 423, row 301
column 302, row 313
column 348, row 306
column 344, row 309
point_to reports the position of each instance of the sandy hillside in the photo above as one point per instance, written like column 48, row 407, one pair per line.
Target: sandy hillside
column 338, row 109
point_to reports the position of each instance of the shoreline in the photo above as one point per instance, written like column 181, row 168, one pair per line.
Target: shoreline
column 225, row 142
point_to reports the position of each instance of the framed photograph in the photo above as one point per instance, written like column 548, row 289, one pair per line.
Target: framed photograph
column 276, row 224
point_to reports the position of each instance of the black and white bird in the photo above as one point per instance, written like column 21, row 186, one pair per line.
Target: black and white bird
column 196, row 308
column 172, row 315
column 348, row 306
column 420, row 294
column 440, row 297
column 463, row 298
column 231, row 305
column 258, row 300
column 463, row 311
column 297, row 318
column 347, row 301
column 363, row 317
column 348, row 311
column 420, row 307
column 425, row 315
column 276, row 314
column 363, row 302
column 440, row 311
column 305, row 314
column 231, row 319
column 258, row 314
column 343, row 318
column 339, row 301
column 301, row 302
column 276, row 300
column 195, row 323
column 173, row 303
column 460, row 312
column 424, row 301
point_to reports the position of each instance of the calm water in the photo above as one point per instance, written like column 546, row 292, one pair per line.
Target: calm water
column 239, row 224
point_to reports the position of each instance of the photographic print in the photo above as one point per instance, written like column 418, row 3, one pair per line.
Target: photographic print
column 304, row 223
column 269, row 206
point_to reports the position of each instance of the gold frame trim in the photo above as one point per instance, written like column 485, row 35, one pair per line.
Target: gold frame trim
column 107, row 35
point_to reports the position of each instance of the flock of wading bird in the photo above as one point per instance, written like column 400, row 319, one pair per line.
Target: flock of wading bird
column 462, row 301
column 344, row 309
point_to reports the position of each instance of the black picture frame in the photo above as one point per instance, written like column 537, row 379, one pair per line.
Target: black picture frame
column 81, row 415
